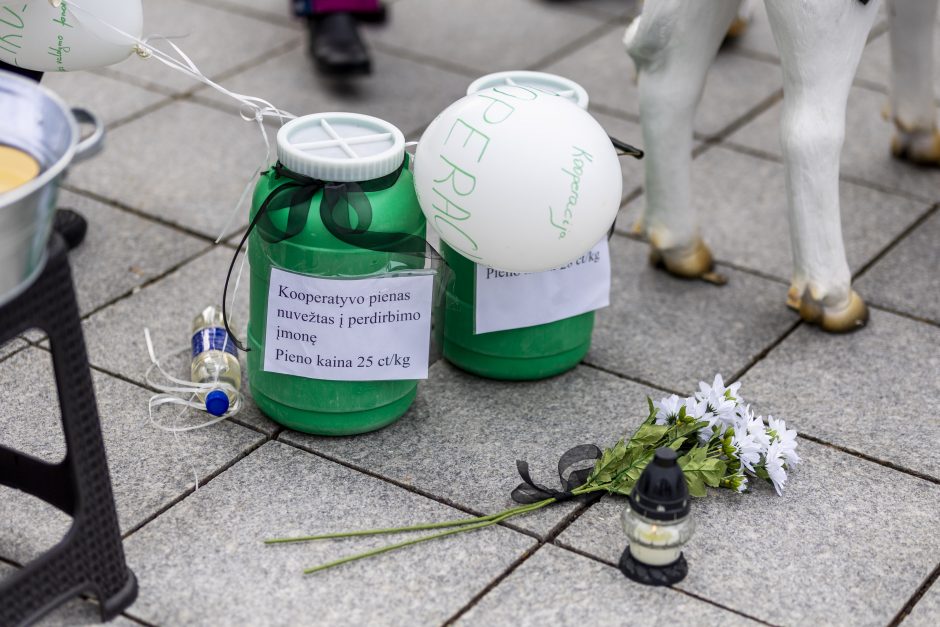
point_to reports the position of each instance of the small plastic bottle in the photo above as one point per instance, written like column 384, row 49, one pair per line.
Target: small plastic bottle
column 214, row 360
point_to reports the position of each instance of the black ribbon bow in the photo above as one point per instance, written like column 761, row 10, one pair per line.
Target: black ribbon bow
column 345, row 211
column 531, row 492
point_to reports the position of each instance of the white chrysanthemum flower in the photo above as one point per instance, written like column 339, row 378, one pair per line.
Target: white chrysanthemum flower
column 695, row 409
column 718, row 389
column 758, row 432
column 742, row 487
column 667, row 409
column 786, row 438
column 776, row 466
column 747, row 448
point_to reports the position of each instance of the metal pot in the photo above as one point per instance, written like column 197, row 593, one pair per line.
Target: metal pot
column 36, row 121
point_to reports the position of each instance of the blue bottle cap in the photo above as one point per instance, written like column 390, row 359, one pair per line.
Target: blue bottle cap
column 216, row 402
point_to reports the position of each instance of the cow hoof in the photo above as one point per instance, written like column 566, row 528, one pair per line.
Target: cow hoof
column 688, row 262
column 919, row 147
column 850, row 316
column 737, row 28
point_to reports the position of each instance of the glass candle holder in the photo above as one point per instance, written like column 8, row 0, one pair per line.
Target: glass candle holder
column 658, row 523
column 656, row 542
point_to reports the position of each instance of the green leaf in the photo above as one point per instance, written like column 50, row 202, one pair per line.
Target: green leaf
column 696, row 485
column 624, row 480
column 652, row 414
column 677, row 443
column 700, row 470
column 648, row 435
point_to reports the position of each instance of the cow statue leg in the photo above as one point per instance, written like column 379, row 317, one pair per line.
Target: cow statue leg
column 820, row 45
column 673, row 44
column 916, row 137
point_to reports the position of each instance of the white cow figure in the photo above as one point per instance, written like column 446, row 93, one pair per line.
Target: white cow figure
column 820, row 42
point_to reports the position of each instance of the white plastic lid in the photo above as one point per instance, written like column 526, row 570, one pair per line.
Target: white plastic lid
column 564, row 87
column 341, row 147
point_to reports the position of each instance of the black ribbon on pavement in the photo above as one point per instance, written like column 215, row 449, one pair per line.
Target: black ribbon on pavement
column 339, row 203
column 531, row 492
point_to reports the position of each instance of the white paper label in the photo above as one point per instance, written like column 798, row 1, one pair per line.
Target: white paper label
column 372, row 329
column 513, row 300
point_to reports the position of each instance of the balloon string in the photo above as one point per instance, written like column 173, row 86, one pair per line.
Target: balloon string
column 253, row 108
column 169, row 396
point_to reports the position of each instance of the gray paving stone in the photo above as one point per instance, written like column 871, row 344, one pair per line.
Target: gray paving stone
column 8, row 348
column 587, row 592
column 744, row 216
column 614, row 8
column 269, row 9
column 758, row 37
column 674, row 333
column 75, row 613
column 735, row 85
column 866, row 154
column 149, row 468
column 203, row 562
column 630, row 132
column 776, row 558
column 927, row 611
column 217, row 41
column 121, row 251
column 109, row 98
column 484, row 35
column 463, row 435
column 906, row 279
column 115, row 335
column 405, row 93
column 875, row 66
column 185, row 163
column 866, row 391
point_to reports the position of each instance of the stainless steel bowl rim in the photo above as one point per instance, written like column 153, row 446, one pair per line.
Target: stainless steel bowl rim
column 59, row 166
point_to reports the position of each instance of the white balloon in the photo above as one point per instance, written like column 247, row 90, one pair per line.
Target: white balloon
column 36, row 35
column 518, row 179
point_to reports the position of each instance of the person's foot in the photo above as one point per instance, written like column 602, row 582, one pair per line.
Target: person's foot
column 336, row 46
column 71, row 226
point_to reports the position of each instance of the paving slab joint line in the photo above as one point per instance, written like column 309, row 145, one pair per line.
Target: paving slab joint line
column 766, row 351
column 730, row 144
column 590, row 556
column 869, row 458
column 16, row 350
column 904, row 314
column 917, row 596
column 896, row 241
column 117, row 204
column 584, row 40
column 248, row 12
column 410, row 488
column 633, row 379
column 190, row 491
column 519, row 561
column 566, row 522
column 758, row 109
column 426, row 60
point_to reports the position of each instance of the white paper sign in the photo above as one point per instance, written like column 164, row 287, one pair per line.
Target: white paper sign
column 372, row 329
column 513, row 300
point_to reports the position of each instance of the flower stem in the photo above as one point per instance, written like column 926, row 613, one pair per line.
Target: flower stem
column 492, row 520
column 423, row 527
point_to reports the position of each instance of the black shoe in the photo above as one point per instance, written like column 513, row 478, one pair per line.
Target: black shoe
column 71, row 226
column 336, row 46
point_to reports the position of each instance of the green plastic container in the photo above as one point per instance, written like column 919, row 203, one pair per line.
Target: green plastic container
column 528, row 353
column 306, row 147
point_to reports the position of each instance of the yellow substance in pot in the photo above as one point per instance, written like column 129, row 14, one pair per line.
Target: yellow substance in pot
column 16, row 168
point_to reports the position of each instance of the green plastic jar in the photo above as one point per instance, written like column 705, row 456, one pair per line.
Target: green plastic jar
column 534, row 352
column 336, row 147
